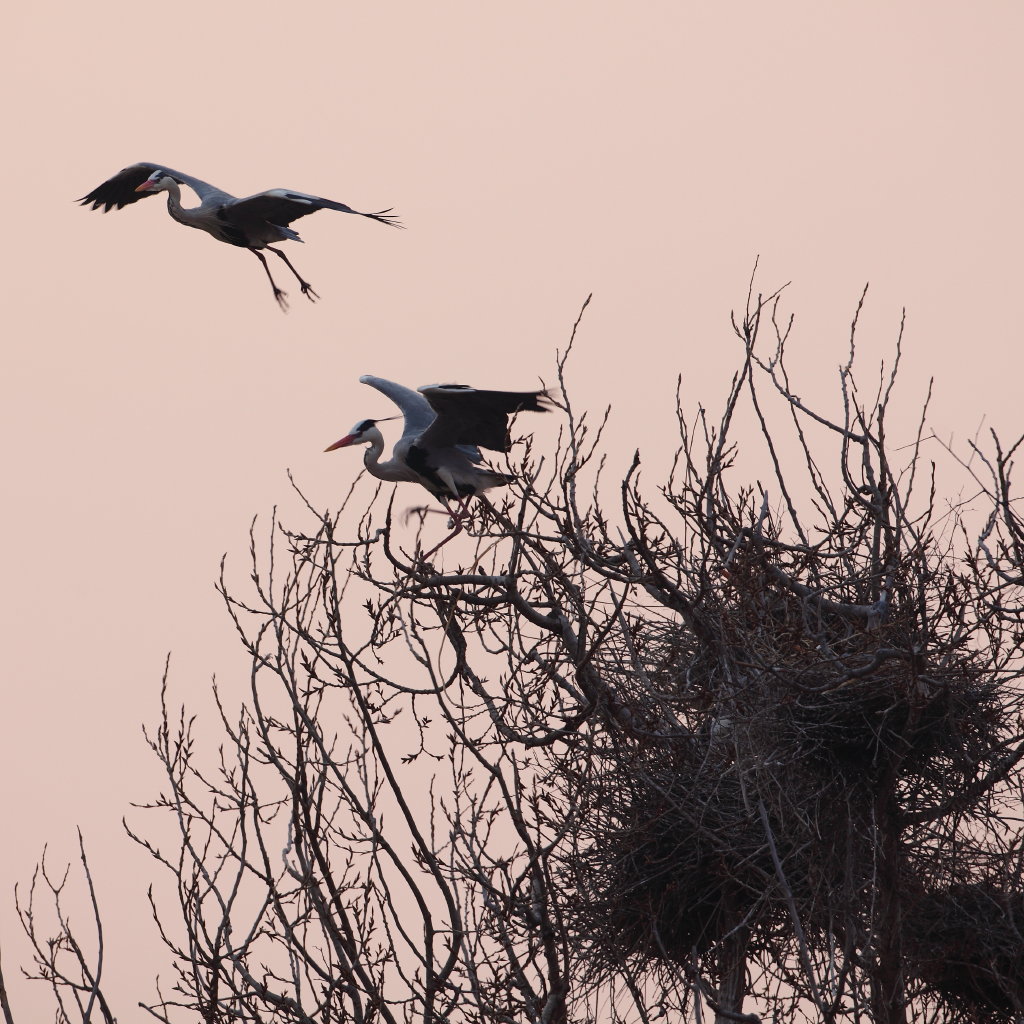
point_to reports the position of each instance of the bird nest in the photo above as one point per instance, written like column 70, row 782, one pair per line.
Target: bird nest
column 777, row 735
column 967, row 946
column 664, row 872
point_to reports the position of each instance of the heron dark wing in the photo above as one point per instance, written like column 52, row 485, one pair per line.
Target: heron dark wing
column 281, row 206
column 468, row 416
column 119, row 191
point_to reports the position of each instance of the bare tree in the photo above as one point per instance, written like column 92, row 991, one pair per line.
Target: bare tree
column 751, row 748
column 73, row 972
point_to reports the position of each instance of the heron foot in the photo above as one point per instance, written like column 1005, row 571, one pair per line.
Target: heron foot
column 307, row 290
column 457, row 519
column 282, row 299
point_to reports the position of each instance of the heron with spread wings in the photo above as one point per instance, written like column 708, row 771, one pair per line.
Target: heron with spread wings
column 446, row 425
column 252, row 223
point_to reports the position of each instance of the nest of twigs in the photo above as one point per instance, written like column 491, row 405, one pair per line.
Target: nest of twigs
column 797, row 732
column 665, row 874
column 857, row 695
column 967, row 946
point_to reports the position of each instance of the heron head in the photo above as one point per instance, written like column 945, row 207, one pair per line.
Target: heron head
column 364, row 432
column 156, row 182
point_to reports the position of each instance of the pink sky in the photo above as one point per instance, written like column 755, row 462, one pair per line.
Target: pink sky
column 154, row 396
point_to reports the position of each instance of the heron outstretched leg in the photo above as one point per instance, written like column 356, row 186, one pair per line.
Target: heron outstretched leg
column 282, row 297
column 437, row 547
column 307, row 288
column 458, row 517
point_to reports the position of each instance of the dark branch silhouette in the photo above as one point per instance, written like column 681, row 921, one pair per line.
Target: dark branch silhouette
column 747, row 743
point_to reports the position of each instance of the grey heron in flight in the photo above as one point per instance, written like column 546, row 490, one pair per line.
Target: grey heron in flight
column 251, row 223
column 445, row 427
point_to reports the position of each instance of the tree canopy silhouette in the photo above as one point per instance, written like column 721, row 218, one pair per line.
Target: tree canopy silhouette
column 746, row 747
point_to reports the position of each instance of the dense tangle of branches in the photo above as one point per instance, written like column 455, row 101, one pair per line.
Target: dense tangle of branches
column 751, row 749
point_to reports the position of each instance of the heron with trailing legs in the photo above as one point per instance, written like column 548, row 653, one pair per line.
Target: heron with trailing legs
column 254, row 223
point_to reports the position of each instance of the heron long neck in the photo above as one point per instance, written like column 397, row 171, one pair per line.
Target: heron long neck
column 174, row 207
column 390, row 470
column 372, row 453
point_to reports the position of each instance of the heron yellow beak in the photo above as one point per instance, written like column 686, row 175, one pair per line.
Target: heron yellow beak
column 145, row 186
